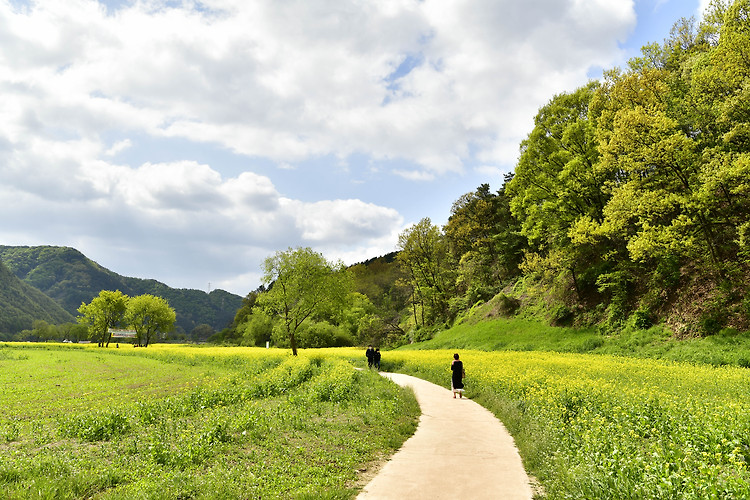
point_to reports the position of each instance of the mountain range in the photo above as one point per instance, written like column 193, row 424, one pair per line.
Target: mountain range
column 51, row 282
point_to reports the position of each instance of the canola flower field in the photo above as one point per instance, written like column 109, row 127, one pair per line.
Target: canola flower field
column 223, row 422
column 191, row 422
column 596, row 426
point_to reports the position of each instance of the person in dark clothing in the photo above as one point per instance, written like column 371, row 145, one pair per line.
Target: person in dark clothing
column 376, row 358
column 457, row 378
column 370, row 353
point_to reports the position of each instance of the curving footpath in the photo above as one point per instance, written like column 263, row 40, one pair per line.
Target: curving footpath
column 460, row 450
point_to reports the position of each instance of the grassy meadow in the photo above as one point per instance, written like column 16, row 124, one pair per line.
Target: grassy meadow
column 190, row 422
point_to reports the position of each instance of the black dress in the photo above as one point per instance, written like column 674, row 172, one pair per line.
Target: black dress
column 457, row 380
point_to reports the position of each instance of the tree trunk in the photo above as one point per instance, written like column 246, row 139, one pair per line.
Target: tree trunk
column 575, row 282
column 293, row 342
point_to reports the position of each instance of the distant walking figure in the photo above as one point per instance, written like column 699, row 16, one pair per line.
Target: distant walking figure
column 376, row 358
column 457, row 379
column 370, row 353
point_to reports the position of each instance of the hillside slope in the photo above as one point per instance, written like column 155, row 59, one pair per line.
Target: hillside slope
column 70, row 278
column 21, row 304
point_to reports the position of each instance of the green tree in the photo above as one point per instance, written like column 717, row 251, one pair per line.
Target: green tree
column 485, row 240
column 302, row 285
column 558, row 187
column 721, row 89
column 246, row 309
column 674, row 140
column 425, row 257
column 105, row 311
column 43, row 330
column 555, row 182
column 73, row 332
column 149, row 315
column 201, row 333
column 256, row 329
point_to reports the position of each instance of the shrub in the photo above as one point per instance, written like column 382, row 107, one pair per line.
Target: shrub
column 642, row 320
column 507, row 306
column 712, row 321
column 561, row 315
column 322, row 334
column 257, row 329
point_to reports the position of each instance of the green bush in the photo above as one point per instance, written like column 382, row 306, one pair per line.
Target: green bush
column 507, row 306
column 257, row 330
column 323, row 334
column 641, row 319
column 561, row 315
column 712, row 321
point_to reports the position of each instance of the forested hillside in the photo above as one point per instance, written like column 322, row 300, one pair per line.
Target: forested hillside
column 21, row 304
column 630, row 200
column 70, row 278
column 629, row 206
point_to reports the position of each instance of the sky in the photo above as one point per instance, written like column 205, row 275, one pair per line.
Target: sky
column 186, row 141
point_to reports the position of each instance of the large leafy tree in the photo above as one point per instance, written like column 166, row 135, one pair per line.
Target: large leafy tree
column 674, row 146
column 430, row 275
column 721, row 90
column 484, row 238
column 557, row 187
column 674, row 142
column 105, row 311
column 148, row 315
column 302, row 285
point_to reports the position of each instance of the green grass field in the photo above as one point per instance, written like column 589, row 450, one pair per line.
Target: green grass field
column 185, row 422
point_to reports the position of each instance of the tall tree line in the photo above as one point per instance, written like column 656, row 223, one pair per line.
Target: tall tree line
column 630, row 195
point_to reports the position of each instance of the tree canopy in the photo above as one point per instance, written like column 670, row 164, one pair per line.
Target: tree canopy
column 149, row 315
column 105, row 311
column 302, row 284
column 146, row 314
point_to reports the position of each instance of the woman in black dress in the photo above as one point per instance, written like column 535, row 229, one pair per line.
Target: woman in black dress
column 457, row 379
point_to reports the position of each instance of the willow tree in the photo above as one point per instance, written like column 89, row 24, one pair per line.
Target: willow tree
column 302, row 284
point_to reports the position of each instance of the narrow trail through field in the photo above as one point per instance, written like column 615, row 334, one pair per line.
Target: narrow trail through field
column 460, row 450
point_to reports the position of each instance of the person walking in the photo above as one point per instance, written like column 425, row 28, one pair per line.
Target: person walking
column 457, row 377
column 376, row 358
column 370, row 353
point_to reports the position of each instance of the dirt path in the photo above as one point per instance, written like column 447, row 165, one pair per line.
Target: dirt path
column 460, row 450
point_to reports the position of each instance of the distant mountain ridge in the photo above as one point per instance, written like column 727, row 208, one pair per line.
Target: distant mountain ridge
column 21, row 304
column 70, row 278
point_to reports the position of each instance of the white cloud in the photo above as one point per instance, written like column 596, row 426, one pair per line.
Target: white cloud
column 286, row 80
column 343, row 221
column 118, row 147
column 490, row 171
column 415, row 175
column 414, row 89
